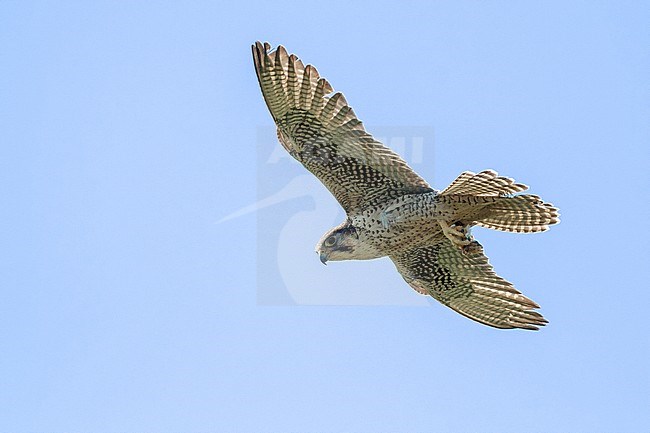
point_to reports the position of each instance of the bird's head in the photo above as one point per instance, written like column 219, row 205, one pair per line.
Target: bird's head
column 343, row 243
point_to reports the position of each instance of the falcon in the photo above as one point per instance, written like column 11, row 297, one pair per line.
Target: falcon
column 391, row 211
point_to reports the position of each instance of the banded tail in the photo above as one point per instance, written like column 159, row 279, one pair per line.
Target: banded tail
column 504, row 211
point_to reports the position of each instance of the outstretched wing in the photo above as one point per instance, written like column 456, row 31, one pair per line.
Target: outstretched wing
column 321, row 131
column 468, row 284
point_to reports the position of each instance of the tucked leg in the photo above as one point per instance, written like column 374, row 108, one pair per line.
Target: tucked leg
column 472, row 248
column 386, row 219
column 389, row 216
column 455, row 234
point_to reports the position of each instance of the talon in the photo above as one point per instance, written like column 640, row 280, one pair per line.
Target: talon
column 387, row 218
column 456, row 234
column 472, row 248
column 384, row 220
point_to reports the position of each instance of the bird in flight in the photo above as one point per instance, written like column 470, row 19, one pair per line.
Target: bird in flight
column 391, row 211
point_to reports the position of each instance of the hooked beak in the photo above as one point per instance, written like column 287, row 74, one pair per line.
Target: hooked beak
column 323, row 258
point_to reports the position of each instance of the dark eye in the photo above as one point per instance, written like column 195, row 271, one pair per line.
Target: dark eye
column 331, row 241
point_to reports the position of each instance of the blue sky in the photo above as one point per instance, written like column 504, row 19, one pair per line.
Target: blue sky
column 130, row 130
